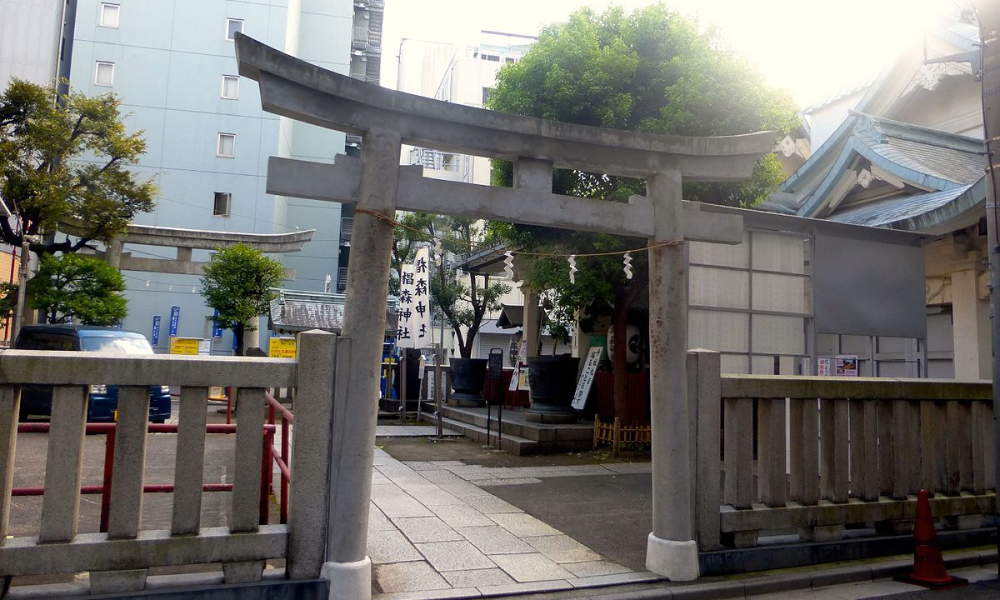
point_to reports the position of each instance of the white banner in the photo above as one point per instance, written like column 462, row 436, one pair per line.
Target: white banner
column 404, row 335
column 420, row 322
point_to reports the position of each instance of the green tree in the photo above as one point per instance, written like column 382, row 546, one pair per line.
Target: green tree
column 650, row 71
column 412, row 229
column 463, row 302
column 239, row 282
column 8, row 302
column 82, row 288
column 65, row 166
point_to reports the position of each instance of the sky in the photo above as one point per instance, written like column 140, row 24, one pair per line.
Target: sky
column 814, row 48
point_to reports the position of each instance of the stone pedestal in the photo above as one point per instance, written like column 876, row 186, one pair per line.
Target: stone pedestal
column 349, row 581
column 677, row 561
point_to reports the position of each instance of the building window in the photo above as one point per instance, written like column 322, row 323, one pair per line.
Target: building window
column 232, row 27
column 226, row 146
column 109, row 14
column 230, row 87
column 223, row 202
column 104, row 74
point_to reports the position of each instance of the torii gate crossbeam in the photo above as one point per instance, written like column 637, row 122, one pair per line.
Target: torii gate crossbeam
column 305, row 92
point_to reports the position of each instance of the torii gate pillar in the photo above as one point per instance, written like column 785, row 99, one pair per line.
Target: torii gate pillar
column 670, row 551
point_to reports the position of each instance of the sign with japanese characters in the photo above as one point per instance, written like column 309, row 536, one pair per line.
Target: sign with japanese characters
column 281, row 348
column 587, row 378
column 404, row 335
column 415, row 303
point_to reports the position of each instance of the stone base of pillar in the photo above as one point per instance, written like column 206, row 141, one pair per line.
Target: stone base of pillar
column 964, row 522
column 677, row 561
column 825, row 533
column 740, row 539
column 349, row 581
column 118, row 582
column 901, row 527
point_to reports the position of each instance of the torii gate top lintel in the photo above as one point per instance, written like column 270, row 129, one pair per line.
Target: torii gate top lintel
column 296, row 89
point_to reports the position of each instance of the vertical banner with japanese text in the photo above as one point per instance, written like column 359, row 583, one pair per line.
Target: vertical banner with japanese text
column 404, row 334
column 421, row 318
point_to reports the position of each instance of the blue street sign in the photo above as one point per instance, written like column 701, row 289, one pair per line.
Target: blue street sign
column 156, row 330
column 175, row 318
column 216, row 329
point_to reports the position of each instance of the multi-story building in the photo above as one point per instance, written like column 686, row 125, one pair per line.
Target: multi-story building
column 172, row 63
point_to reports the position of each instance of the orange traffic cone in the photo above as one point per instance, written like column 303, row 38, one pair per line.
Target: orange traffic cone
column 928, row 565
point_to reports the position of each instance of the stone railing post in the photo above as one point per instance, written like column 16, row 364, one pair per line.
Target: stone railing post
column 310, row 485
column 704, row 373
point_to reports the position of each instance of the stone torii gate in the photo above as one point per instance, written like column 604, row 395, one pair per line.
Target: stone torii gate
column 296, row 89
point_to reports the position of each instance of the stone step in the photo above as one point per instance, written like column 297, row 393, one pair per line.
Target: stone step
column 579, row 436
column 517, row 446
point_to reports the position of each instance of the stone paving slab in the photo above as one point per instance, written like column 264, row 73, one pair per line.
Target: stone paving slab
column 496, row 476
column 421, row 530
column 478, row 578
column 454, row 556
column 434, row 533
column 531, row 567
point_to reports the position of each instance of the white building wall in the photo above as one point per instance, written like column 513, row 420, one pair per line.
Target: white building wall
column 29, row 40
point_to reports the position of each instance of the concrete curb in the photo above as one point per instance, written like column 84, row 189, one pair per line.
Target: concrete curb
column 764, row 583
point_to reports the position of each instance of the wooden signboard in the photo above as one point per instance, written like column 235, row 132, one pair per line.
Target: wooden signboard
column 586, row 380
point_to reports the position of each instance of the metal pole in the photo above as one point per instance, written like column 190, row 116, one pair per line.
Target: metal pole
column 989, row 31
column 437, row 386
column 22, row 281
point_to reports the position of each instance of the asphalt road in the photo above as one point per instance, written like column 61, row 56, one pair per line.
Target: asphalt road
column 611, row 514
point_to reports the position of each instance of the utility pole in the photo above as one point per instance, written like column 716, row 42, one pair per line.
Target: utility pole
column 22, row 284
column 989, row 37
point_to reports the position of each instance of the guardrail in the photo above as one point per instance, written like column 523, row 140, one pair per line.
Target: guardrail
column 118, row 558
column 817, row 454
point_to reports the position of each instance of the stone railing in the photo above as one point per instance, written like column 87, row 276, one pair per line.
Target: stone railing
column 119, row 559
column 821, row 453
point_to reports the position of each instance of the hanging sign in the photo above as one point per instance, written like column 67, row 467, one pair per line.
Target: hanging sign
column 404, row 334
column 587, row 378
column 420, row 321
column 156, row 330
column 216, row 328
column 175, row 319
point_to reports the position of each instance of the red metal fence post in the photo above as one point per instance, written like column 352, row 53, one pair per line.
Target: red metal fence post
column 109, row 462
column 265, row 476
column 284, row 480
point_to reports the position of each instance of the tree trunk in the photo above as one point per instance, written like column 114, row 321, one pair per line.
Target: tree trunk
column 239, row 332
column 619, row 364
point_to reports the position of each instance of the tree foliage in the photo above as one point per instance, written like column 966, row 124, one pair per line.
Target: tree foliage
column 464, row 302
column 82, row 288
column 464, row 299
column 8, row 301
column 412, row 229
column 649, row 71
column 64, row 166
column 239, row 282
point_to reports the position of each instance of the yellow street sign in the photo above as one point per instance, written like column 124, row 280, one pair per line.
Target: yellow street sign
column 281, row 348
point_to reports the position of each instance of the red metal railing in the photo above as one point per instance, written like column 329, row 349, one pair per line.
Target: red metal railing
column 270, row 453
column 282, row 457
